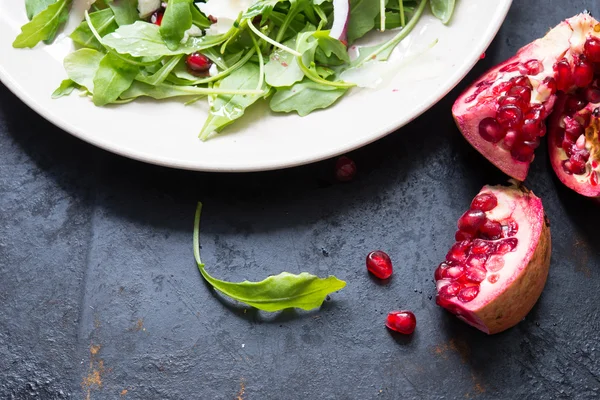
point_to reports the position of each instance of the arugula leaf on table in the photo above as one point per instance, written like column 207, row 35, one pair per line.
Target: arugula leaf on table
column 81, row 67
column 112, row 78
column 34, row 7
column 442, row 9
column 44, row 25
column 177, row 20
column 305, row 97
column 125, row 11
column 275, row 293
column 104, row 21
column 227, row 108
column 142, row 39
column 66, row 88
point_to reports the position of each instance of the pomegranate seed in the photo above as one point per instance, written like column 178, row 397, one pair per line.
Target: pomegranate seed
column 537, row 112
column 531, row 129
column 509, row 116
column 379, row 264
column 522, row 92
column 523, row 151
column 458, row 251
column 550, row 83
column 583, row 73
column 453, row 272
column 584, row 117
column 494, row 263
column 475, row 274
column 520, row 81
column 459, row 236
column 198, row 62
column 213, row 20
column 573, row 129
column 468, row 294
column 574, row 167
column 482, row 56
column 438, row 274
column 514, row 100
column 401, row 321
column 157, row 17
column 594, row 178
column 596, row 112
column 345, row 169
column 575, row 104
column 471, row 220
column 510, row 228
column 510, row 67
column 534, row 67
column 484, row 202
column 506, row 246
column 502, row 87
column 493, row 278
column 567, row 146
column 510, row 138
column 592, row 94
column 490, row 130
column 563, row 75
column 591, row 49
column 476, row 261
column 480, row 246
column 491, row 229
column 580, row 143
column 450, row 290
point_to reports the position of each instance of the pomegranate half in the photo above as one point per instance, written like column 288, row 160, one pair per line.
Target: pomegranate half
column 497, row 269
column 503, row 115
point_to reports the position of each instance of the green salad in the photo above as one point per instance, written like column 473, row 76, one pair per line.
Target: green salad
column 233, row 53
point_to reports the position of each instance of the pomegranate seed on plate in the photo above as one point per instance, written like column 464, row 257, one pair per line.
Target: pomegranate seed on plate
column 198, row 62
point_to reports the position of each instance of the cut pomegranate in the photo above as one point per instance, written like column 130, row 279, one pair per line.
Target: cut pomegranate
column 345, row 169
column 493, row 280
column 379, row 264
column 503, row 114
column 401, row 321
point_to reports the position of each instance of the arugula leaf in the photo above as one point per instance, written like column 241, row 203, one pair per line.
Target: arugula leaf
column 81, row 67
column 112, row 78
column 277, row 292
column 160, row 91
column 34, row 7
column 44, row 25
column 162, row 74
column 198, row 18
column 282, row 68
column 125, row 11
column 262, row 8
column 227, row 108
column 104, row 22
column 362, row 18
column 305, row 97
column 142, row 39
column 330, row 51
column 442, row 9
column 177, row 20
column 66, row 88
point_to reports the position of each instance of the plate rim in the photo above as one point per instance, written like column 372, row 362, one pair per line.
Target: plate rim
column 454, row 79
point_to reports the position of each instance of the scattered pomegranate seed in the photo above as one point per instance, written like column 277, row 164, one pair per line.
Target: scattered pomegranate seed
column 379, row 264
column 482, row 56
column 198, row 63
column 345, row 169
column 401, row 321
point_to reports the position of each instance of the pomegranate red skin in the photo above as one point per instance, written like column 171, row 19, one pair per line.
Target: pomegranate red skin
column 468, row 114
column 403, row 322
column 513, row 301
column 569, row 180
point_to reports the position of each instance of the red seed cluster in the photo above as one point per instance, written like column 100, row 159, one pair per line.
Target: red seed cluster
column 480, row 247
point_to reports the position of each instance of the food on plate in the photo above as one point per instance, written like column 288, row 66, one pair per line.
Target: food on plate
column 551, row 84
column 401, row 321
column 231, row 52
column 497, row 269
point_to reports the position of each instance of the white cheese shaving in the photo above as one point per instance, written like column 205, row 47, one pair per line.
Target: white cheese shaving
column 225, row 12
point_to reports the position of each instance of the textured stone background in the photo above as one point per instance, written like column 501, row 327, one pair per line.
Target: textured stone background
column 100, row 296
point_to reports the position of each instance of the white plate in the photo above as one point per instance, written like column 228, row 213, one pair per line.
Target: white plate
column 166, row 132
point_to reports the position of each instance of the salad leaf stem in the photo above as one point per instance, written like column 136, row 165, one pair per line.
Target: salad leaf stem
column 227, row 71
column 382, row 15
column 271, row 41
column 261, row 64
column 402, row 16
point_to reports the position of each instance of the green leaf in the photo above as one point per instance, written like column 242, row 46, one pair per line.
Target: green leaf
column 362, row 18
column 227, row 108
column 199, row 19
column 81, row 67
column 44, row 25
column 305, row 97
column 330, row 51
column 34, row 7
column 142, row 39
column 282, row 68
column 261, row 7
column 442, row 9
column 177, row 20
column 278, row 292
column 160, row 75
column 125, row 11
column 160, row 91
column 104, row 22
column 66, row 88
column 112, row 78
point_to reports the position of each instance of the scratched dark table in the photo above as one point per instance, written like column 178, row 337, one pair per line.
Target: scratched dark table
column 100, row 297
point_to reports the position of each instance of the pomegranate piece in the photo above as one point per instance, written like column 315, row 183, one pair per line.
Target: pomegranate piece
column 198, row 63
column 492, row 283
column 401, row 321
column 379, row 264
column 506, row 118
column 345, row 169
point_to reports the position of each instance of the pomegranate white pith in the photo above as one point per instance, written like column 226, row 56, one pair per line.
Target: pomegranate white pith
column 503, row 114
column 491, row 279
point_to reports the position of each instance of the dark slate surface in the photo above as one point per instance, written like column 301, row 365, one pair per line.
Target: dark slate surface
column 100, row 297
